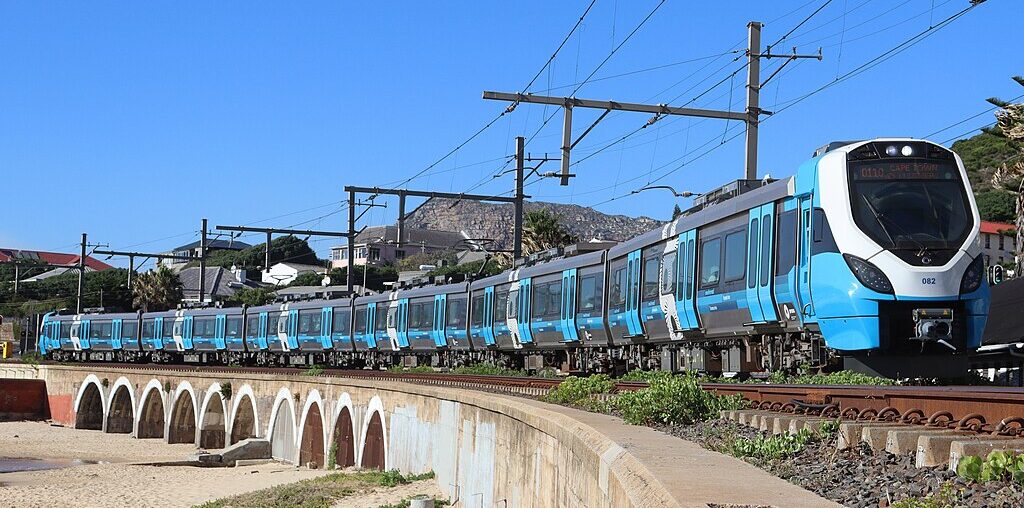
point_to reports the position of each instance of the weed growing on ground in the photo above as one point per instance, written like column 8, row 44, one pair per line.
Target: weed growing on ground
column 314, row 370
column 671, row 400
column 488, row 369
column 944, row 498
column 332, row 454
column 999, row 465
column 394, row 478
column 320, row 492
column 843, row 377
column 419, row 369
column 772, row 448
column 581, row 392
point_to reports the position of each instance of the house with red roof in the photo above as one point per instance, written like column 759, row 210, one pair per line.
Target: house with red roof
column 53, row 258
column 998, row 242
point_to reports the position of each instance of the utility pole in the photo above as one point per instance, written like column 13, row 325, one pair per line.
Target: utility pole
column 517, row 231
column 131, row 255
column 202, row 263
column 751, row 116
column 81, row 272
column 753, row 96
column 351, row 249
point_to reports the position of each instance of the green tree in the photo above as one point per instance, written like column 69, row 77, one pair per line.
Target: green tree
column 542, row 231
column 284, row 248
column 156, row 290
column 253, row 297
column 996, row 205
column 676, row 211
column 376, row 276
column 307, row 279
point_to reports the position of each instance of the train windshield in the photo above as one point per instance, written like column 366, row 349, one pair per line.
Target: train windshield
column 910, row 204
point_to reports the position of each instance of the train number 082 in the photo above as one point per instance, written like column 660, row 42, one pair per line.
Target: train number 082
column 928, row 280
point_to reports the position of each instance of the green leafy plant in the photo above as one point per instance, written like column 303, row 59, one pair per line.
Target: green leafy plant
column 944, row 498
column 581, row 391
column 314, row 370
column 225, row 390
column 997, row 466
column 488, row 369
column 332, row 454
column 773, row 448
column 394, row 478
column 671, row 400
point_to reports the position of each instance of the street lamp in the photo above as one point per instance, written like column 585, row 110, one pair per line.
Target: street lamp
column 684, row 194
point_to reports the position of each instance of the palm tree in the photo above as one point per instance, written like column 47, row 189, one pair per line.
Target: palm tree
column 542, row 231
column 159, row 289
column 1010, row 125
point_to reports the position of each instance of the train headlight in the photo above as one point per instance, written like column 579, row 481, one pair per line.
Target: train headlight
column 973, row 276
column 868, row 274
column 907, row 150
column 891, row 151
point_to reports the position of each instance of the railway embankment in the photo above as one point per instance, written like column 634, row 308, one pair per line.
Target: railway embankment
column 485, row 449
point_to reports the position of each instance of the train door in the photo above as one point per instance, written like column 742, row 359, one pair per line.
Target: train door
column 115, row 334
column 488, row 325
column 219, row 339
column 633, row 325
column 440, row 318
column 80, row 335
column 567, row 316
column 263, row 331
column 667, row 285
column 371, row 322
column 764, row 265
column 804, row 260
column 525, row 297
column 512, row 302
column 290, row 323
column 326, row 322
column 186, row 334
column 684, row 301
column 753, row 253
column 398, row 321
column 157, row 340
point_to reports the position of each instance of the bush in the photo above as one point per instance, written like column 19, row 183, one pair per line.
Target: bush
column 772, row 448
column 488, row 369
column 843, row 377
column 394, row 478
column 581, row 391
column 672, row 400
column 646, row 375
column 999, row 465
column 314, row 370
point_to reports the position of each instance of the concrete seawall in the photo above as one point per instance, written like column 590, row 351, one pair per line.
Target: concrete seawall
column 485, row 449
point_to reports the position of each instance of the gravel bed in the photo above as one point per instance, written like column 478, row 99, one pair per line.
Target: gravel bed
column 857, row 477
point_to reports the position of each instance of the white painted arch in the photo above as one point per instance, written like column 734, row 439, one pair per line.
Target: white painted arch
column 121, row 381
column 344, row 402
column 214, row 391
column 91, row 379
column 183, row 388
column 284, row 400
column 313, row 397
column 375, row 406
column 153, row 384
column 244, row 392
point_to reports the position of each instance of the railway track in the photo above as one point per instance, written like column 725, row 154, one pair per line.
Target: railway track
column 980, row 409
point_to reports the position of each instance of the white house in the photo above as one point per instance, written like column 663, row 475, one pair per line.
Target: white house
column 284, row 273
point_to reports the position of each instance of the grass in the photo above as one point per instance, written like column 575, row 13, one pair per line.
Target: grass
column 321, row 492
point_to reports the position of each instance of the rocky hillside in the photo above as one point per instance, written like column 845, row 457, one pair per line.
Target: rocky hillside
column 982, row 155
column 494, row 220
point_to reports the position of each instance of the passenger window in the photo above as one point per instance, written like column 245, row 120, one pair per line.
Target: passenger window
column 500, row 306
column 735, row 255
column 233, row 327
column 309, row 321
column 381, row 319
column 588, row 293
column 652, row 267
column 456, row 317
column 710, row 262
column 752, row 262
column 690, row 263
column 513, row 304
column 148, row 328
column 340, row 322
column 477, row 316
column 128, row 329
column 617, row 271
column 361, row 323
column 252, row 326
column 668, row 273
column 540, row 300
column 554, row 297
column 785, row 245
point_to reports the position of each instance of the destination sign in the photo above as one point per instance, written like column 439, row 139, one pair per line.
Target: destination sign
column 903, row 170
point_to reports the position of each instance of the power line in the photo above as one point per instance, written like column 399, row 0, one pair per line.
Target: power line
column 965, row 120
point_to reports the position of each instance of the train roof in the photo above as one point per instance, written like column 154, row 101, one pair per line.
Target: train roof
column 559, row 264
column 459, row 287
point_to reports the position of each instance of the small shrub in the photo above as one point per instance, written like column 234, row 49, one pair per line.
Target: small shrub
column 672, row 400
column 225, row 390
column 772, row 448
column 944, row 498
column 31, row 358
column 843, row 377
column 488, row 369
column 646, row 375
column 332, row 454
column 105, row 382
column 580, row 391
column 998, row 466
column 394, row 478
column 314, row 370
column 167, row 387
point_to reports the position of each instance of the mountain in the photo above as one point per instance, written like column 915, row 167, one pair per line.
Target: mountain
column 495, row 220
column 982, row 155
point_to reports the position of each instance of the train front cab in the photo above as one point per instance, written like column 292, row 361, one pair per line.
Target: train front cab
column 901, row 290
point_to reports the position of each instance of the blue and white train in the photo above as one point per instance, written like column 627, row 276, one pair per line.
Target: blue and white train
column 868, row 254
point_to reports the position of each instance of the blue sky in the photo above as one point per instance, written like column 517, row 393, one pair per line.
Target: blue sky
column 131, row 121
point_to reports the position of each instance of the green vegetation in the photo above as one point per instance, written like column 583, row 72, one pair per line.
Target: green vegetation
column 772, row 448
column 996, row 205
column 998, row 466
column 314, row 370
column 488, row 369
column 284, row 248
column 405, row 503
column 225, row 390
column 843, row 377
column 332, row 454
column 542, row 231
column 672, row 399
column 419, row 369
column 253, row 297
column 321, row 492
column 944, row 498
column 108, row 289
column 156, row 290
column 581, row 392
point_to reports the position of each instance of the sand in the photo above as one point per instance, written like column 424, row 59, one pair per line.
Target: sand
column 122, row 479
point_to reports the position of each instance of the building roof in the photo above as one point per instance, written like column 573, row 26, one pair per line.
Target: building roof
column 215, row 244
column 414, row 237
column 996, row 227
column 54, row 273
column 53, row 258
column 299, row 267
column 219, row 282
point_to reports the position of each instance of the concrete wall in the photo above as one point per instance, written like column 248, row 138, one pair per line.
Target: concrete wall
column 486, row 450
column 23, row 399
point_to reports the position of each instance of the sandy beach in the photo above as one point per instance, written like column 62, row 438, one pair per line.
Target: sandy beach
column 122, row 480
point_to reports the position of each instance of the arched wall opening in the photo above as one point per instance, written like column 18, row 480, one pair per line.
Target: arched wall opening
column 244, row 425
column 373, row 446
column 182, row 428
column 311, row 450
column 90, row 409
column 282, row 438
column 151, row 416
column 120, row 417
column 344, row 440
column 213, row 428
